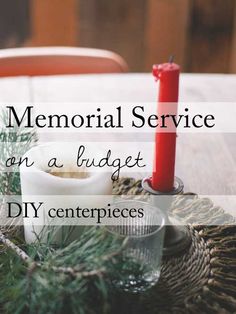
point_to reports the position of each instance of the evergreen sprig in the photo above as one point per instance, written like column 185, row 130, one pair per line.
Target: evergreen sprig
column 45, row 279
column 14, row 142
column 75, row 277
column 41, row 278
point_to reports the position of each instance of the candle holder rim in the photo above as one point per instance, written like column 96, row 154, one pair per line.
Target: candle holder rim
column 177, row 189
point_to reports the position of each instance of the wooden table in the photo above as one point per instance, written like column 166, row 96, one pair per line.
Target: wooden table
column 206, row 162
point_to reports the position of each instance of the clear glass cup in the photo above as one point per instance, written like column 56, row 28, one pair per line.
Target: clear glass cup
column 141, row 257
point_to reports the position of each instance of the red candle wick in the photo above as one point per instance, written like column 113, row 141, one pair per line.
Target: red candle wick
column 171, row 59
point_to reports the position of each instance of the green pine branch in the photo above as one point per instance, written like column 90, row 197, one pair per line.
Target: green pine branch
column 39, row 278
column 42, row 279
column 14, row 142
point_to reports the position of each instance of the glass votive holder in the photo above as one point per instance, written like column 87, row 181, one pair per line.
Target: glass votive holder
column 140, row 264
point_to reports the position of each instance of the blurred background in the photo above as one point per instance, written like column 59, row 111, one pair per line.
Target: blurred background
column 200, row 33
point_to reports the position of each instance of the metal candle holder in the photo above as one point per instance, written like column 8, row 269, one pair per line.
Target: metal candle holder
column 177, row 238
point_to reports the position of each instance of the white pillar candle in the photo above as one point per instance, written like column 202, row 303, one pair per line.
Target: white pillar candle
column 38, row 181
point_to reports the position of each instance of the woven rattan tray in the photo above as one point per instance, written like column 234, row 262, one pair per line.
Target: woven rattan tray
column 200, row 280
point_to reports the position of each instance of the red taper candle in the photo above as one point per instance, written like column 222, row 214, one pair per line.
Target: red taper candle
column 165, row 142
